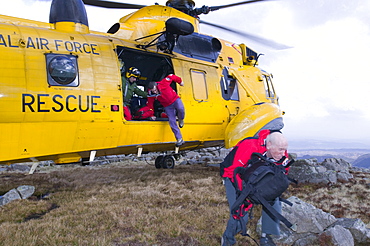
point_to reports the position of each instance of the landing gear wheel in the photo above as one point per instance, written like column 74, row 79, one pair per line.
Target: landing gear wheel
column 159, row 161
column 168, row 162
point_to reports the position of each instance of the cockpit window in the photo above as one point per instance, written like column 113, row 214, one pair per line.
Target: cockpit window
column 62, row 70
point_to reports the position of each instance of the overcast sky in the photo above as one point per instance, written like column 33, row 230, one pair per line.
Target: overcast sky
column 322, row 80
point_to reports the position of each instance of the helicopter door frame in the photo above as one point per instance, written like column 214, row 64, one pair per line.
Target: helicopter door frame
column 153, row 67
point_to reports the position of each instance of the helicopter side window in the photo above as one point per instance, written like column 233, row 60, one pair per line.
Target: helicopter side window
column 269, row 88
column 233, row 89
column 198, row 79
column 229, row 87
column 62, row 70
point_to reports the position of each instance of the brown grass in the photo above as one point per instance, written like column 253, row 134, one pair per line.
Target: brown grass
column 138, row 205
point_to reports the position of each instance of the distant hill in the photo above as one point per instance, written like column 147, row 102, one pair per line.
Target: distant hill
column 322, row 149
column 350, row 155
column 357, row 157
column 319, row 158
column 362, row 161
column 326, row 144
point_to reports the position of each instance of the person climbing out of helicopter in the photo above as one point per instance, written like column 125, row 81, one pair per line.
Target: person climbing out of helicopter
column 129, row 88
column 171, row 102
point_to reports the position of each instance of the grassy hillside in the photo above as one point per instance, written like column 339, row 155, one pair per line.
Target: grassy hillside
column 135, row 204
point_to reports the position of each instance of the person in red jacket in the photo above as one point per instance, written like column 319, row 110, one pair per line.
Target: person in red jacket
column 171, row 102
column 274, row 146
column 146, row 112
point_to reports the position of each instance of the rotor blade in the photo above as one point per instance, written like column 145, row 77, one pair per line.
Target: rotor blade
column 112, row 5
column 260, row 40
column 213, row 8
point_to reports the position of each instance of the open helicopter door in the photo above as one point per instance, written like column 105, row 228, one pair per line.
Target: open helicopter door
column 153, row 67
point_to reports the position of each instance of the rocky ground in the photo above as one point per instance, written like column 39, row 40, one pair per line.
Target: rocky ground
column 331, row 199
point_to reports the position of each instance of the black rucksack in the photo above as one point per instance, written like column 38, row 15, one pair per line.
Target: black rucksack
column 262, row 182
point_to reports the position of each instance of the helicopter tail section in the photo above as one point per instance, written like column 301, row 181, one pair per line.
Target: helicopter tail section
column 253, row 119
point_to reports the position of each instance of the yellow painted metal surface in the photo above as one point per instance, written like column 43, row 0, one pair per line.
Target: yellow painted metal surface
column 68, row 158
column 250, row 121
column 150, row 20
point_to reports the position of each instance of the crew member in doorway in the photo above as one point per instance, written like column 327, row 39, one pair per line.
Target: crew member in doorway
column 171, row 102
column 130, row 88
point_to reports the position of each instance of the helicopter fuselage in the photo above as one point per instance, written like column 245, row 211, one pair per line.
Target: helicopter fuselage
column 61, row 96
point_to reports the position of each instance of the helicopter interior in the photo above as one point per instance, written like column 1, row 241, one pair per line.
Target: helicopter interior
column 152, row 68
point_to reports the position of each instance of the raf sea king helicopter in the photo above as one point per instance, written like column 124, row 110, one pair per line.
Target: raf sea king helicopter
column 61, row 93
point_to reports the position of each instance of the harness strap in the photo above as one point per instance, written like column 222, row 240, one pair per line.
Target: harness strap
column 272, row 212
column 262, row 157
column 238, row 170
column 285, row 201
column 243, row 195
column 243, row 226
column 244, row 230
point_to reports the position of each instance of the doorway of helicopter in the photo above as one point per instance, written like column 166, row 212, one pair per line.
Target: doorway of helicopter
column 153, row 67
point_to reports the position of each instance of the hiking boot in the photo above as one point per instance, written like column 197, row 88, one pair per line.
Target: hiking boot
column 267, row 241
column 179, row 142
column 181, row 123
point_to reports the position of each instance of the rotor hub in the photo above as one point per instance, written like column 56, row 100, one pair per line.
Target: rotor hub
column 185, row 6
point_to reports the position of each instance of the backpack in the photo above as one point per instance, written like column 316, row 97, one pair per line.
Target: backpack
column 242, row 152
column 262, row 182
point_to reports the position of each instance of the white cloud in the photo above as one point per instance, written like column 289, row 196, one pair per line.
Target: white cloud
column 33, row 10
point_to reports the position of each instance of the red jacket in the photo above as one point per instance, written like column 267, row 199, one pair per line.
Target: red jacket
column 242, row 152
column 146, row 111
column 167, row 95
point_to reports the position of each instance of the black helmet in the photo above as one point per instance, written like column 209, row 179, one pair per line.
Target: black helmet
column 133, row 72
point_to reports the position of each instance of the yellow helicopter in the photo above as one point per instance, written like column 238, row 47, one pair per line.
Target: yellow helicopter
column 61, row 94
